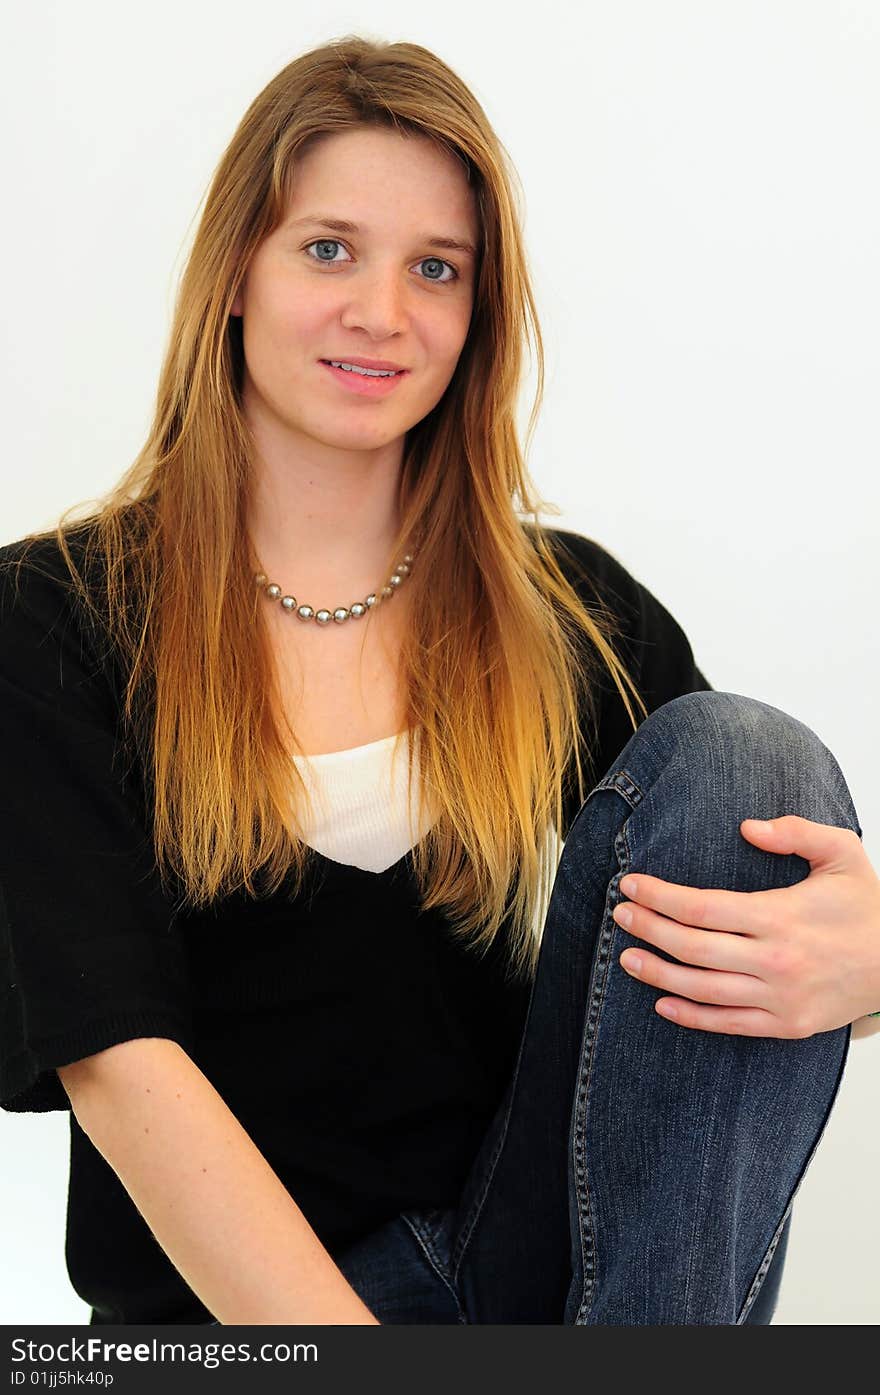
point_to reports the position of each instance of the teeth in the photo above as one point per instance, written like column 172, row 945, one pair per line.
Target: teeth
column 366, row 372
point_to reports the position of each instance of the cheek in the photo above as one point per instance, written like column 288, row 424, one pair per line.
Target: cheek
column 450, row 352
column 461, row 327
column 444, row 337
column 282, row 325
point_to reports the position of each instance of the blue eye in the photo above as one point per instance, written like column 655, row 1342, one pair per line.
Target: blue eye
column 437, row 262
column 324, row 242
column 425, row 261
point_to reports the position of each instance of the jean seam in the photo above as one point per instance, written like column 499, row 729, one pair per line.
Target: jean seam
column 596, row 1001
column 622, row 783
column 771, row 1248
column 617, row 782
column 426, row 1241
column 764, row 1265
column 609, row 782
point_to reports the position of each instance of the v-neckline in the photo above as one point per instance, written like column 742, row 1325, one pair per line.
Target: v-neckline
column 342, row 868
column 350, row 870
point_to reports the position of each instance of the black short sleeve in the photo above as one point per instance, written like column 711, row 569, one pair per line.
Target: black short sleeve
column 649, row 640
column 89, row 954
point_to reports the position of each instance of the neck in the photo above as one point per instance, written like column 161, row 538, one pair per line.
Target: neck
column 322, row 523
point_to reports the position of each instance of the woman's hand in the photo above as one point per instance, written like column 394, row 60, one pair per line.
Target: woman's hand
column 788, row 962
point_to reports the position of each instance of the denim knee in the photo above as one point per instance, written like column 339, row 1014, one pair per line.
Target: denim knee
column 694, row 769
column 738, row 724
column 730, row 738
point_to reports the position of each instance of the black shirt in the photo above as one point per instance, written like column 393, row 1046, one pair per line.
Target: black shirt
column 362, row 1050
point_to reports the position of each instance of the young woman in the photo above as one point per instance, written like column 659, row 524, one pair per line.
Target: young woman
column 289, row 725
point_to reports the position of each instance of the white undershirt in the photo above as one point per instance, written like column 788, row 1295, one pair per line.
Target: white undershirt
column 361, row 815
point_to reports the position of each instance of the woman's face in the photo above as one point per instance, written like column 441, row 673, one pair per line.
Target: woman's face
column 383, row 289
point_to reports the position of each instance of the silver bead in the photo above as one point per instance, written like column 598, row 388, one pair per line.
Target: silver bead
column 342, row 613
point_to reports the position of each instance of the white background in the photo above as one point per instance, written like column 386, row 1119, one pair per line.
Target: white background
column 702, row 219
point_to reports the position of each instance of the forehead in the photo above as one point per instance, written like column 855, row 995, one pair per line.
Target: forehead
column 381, row 179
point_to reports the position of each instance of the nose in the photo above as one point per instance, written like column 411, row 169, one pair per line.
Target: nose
column 376, row 303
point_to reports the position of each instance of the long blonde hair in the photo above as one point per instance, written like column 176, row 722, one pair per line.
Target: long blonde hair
column 500, row 659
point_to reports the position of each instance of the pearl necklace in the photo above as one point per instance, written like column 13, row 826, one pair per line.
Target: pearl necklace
column 342, row 613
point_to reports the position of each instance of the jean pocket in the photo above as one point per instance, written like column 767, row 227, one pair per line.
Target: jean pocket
column 399, row 1271
column 433, row 1229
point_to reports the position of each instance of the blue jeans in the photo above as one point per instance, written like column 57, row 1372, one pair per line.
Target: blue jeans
column 636, row 1172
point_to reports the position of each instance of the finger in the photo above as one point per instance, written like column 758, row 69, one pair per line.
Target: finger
column 739, row 1022
column 826, row 847
column 710, row 949
column 701, row 985
column 734, row 911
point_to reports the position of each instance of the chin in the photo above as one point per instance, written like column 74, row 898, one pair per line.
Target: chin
column 360, row 440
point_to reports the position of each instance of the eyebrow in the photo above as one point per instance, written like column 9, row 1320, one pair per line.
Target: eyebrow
column 452, row 244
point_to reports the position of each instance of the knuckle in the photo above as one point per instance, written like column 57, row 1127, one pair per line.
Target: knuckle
column 698, row 908
column 787, row 960
column 655, row 970
column 779, row 959
column 799, row 1026
column 764, row 918
column 686, row 1014
column 693, row 948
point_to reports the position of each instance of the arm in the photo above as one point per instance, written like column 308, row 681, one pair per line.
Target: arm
column 208, row 1195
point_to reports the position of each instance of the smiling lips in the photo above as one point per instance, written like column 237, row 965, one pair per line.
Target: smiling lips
column 378, row 364
column 363, row 384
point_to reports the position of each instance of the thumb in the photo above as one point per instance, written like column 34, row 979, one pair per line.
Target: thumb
column 826, row 847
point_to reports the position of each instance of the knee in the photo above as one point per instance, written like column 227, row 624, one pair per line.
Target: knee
column 731, row 733
column 736, row 724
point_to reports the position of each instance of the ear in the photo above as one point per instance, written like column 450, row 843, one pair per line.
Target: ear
column 237, row 306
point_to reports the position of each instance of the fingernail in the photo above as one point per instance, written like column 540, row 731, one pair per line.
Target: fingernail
column 623, row 915
column 632, row 962
column 628, row 886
